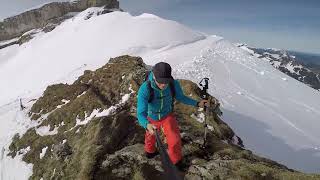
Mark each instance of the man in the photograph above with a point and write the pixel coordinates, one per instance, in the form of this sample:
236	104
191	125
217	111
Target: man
157	113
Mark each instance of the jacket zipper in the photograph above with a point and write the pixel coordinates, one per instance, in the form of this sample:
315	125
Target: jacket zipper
161	106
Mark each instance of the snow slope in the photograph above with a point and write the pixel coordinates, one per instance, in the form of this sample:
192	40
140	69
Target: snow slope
276	118
275	115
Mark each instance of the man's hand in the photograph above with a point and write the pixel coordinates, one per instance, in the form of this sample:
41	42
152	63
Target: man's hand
203	103
151	128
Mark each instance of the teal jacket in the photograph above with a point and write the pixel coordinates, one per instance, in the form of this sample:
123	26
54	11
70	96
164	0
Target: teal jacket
160	106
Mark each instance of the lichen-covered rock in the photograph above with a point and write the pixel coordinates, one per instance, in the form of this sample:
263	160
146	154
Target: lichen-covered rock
61	151
90	131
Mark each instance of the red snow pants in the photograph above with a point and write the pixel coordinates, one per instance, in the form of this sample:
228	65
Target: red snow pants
172	134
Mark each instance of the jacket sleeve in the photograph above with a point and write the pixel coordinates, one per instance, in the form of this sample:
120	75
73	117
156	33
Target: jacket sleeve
142	105
181	97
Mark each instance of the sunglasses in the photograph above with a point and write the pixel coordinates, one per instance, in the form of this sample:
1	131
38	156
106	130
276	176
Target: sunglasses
160	83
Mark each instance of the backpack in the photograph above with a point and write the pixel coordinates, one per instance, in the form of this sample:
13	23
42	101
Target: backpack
151	90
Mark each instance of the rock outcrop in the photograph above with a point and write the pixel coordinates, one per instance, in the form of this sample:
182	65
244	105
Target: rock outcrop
92	133
50	13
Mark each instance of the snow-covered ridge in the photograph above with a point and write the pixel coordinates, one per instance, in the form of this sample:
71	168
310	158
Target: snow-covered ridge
86	41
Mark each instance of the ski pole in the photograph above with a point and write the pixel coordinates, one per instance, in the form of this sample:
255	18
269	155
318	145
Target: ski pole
204	83
169	168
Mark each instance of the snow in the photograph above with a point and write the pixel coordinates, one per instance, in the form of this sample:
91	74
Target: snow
210	128
31	32
54	172
14	121
73	41
8	53
105	112
235	140
247	49
276	64
147	15
275	115
290	67
9	166
82	94
8	41
78	130
64	101
263	116
24	150
274	49
45	131
125	98
43	152
87	119
276	56
199	117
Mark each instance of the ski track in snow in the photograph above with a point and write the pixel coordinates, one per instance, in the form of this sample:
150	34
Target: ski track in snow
308	108
262	102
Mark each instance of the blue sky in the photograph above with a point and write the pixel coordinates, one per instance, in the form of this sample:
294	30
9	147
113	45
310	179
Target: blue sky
284	24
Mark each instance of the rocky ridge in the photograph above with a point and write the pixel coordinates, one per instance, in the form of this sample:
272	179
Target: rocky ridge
48	16
89	130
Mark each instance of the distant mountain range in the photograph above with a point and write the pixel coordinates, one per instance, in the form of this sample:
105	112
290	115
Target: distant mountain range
311	61
305	67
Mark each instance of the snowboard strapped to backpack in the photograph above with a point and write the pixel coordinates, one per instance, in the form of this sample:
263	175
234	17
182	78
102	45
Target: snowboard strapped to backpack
151	90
